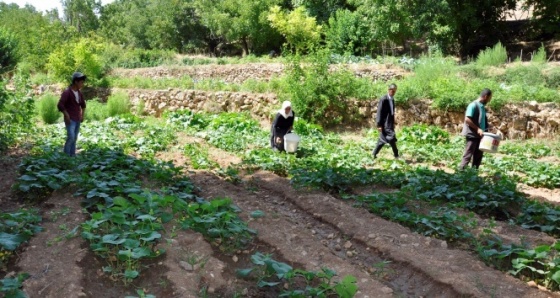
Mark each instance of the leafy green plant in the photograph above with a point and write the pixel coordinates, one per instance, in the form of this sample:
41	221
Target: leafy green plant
15	229
199	156
218	220
118	104
47	106
11	287
300	283
17	109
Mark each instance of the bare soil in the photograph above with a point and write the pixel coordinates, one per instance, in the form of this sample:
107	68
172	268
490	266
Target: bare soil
307	229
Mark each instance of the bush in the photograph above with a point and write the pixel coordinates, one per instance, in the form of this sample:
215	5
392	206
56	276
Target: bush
81	56
552	78
9	56
47	106
530	75
429	69
118	104
96	110
116	56
318	94
492	57
539	56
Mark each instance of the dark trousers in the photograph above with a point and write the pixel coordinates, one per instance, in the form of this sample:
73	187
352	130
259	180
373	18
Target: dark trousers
472	151
381	143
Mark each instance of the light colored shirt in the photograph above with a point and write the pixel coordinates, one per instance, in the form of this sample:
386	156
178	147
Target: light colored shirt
77	96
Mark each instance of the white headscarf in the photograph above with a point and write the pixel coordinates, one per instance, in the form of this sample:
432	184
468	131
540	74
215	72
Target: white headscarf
282	111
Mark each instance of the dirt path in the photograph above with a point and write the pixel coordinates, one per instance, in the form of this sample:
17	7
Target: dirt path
52	256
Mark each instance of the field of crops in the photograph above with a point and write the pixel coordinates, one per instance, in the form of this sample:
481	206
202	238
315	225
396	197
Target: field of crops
197	205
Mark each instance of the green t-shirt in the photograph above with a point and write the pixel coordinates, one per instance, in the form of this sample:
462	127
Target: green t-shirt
471	111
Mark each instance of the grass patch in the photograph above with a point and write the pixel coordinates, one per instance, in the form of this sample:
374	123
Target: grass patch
118	104
96	110
47	108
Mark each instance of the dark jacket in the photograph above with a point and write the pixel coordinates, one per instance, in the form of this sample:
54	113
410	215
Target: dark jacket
280	127
468	131
385	117
68	103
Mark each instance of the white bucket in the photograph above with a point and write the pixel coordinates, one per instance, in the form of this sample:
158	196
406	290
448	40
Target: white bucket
291	142
490	142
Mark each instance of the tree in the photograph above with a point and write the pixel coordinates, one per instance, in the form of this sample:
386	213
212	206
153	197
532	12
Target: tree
546	15
240	21
322	10
300	30
8	51
82	14
451	25
347	33
38	35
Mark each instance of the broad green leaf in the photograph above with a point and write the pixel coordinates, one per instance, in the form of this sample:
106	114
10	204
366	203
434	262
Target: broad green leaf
243	272
11	241
130	274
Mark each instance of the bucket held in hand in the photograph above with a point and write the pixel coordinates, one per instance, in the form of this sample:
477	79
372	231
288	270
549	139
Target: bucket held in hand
291	142
490	142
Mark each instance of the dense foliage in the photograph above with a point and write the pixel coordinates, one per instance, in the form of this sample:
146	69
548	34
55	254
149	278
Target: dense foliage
228	27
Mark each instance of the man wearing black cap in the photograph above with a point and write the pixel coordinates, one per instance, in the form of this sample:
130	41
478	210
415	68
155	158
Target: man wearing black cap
73	106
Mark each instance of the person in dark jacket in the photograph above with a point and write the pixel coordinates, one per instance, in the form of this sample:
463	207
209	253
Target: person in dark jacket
385	122
282	124
476	123
72	105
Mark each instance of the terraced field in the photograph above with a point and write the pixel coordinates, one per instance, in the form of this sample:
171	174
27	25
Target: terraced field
196	205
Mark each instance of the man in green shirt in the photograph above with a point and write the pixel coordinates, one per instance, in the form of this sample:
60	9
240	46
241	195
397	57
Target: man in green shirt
476	123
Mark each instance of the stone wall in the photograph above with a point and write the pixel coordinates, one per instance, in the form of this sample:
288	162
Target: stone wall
520	121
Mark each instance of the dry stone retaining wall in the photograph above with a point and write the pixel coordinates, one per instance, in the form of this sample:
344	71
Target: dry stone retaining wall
519	121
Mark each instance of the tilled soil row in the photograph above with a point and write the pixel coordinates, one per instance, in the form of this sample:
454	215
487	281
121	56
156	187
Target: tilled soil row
300	237
458	272
51	259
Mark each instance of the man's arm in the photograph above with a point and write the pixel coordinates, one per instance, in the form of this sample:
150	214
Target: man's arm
472	125
378	120
62	106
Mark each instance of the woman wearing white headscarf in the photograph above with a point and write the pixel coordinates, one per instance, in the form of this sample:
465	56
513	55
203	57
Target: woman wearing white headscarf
282	124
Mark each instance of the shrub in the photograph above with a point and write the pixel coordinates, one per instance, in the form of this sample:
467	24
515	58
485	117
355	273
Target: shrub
9	56
47	108
80	56
96	110
540	55
552	78
118	104
492	57
530	75
318	94
431	68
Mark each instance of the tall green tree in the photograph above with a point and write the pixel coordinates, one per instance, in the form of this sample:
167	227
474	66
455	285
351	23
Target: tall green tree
37	34
346	33
451	25
322	10
546	15
82	14
243	22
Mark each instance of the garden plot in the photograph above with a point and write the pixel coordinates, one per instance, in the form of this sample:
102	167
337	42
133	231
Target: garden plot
223	215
